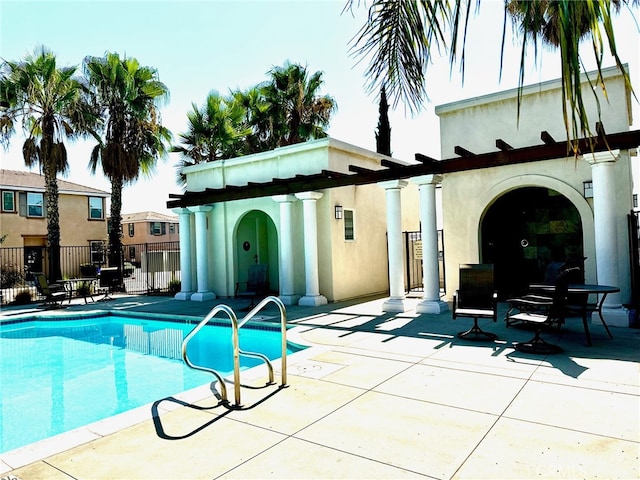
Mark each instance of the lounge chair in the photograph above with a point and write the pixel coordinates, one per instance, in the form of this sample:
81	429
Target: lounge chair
256	285
54	294
476	298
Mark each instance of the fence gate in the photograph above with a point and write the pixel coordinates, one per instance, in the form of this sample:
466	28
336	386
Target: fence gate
413	261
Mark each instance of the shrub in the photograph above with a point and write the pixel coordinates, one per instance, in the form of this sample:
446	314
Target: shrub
84	289
174	286
11	276
22	297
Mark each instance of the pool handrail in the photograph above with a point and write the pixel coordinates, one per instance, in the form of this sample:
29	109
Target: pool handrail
236	345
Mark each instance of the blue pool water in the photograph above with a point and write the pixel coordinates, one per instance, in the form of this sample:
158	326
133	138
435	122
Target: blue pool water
57	375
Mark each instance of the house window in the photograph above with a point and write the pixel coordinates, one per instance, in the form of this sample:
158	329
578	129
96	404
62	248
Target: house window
96	211
35	204
8	202
349	225
97	252
131	229
172	228
157	228
635	200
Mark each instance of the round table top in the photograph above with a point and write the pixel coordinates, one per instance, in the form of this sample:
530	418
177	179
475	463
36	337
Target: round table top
579	288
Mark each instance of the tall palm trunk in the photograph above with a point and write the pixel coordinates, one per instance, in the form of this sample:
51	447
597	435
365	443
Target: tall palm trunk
49	164
115	232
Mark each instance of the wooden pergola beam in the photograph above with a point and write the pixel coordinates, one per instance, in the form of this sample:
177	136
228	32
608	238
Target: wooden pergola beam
363	176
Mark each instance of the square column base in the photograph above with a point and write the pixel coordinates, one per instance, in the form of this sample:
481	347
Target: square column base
289	299
432	306
312	301
202	296
615	317
183	295
394	305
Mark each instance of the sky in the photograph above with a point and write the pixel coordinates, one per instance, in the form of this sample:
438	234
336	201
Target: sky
222	45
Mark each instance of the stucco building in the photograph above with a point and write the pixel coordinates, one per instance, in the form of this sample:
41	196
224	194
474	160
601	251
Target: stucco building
23	214
512	194
522	216
320	246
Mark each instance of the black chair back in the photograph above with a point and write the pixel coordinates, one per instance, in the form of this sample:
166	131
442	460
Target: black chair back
476	286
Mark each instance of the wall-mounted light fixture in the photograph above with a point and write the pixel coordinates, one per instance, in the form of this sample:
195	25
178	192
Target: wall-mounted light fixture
588	189
338	212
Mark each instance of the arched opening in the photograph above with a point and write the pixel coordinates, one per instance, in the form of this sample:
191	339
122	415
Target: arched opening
256	241
524	231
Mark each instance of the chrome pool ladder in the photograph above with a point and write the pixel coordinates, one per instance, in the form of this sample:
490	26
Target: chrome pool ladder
236	326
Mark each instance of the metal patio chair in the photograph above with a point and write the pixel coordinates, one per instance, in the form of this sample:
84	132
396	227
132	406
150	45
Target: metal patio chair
476	298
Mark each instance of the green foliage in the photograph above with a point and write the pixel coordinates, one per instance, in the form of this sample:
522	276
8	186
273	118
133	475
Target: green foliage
399	38
11	276
129	96
52	105
383	133
23	297
284	110
174	286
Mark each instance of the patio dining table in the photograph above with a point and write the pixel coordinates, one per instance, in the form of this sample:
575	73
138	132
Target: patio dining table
71	285
586	289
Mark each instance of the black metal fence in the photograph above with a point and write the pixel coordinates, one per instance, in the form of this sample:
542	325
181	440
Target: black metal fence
413	261
147	268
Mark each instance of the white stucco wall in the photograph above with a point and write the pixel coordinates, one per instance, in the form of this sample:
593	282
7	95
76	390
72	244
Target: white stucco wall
346	269
475	124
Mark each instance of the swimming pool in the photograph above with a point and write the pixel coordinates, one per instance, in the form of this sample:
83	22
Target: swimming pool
59	373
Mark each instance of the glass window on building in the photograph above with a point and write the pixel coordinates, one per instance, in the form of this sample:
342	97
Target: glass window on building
157	228
349	225
131	229
96	210
8	201
35	204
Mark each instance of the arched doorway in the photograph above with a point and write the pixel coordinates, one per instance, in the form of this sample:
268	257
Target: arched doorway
256	241
524	231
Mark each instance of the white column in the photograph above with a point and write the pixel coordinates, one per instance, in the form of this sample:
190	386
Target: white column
186	289
286	268
396	300
430	302
606	233
202	255
312	297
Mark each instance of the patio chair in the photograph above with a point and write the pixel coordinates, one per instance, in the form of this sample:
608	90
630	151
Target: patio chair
547	314
54	294
476	298
109	279
255	286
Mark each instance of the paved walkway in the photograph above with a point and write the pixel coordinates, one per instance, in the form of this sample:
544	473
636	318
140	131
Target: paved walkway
379	396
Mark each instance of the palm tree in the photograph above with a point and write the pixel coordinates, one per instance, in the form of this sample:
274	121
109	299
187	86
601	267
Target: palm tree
134	138
216	131
258	119
53	105
298	112
400	36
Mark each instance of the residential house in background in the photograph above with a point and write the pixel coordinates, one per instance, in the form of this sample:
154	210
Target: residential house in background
143	228
23	218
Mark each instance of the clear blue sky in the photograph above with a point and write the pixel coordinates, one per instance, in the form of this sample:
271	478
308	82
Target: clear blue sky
198	46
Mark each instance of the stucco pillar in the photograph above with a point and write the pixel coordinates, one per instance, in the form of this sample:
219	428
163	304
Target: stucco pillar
287	288
606	233
430	302
202	255
312	297
186	289
396	300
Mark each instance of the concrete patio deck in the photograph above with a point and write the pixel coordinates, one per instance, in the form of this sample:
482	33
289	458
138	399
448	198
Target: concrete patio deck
378	395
